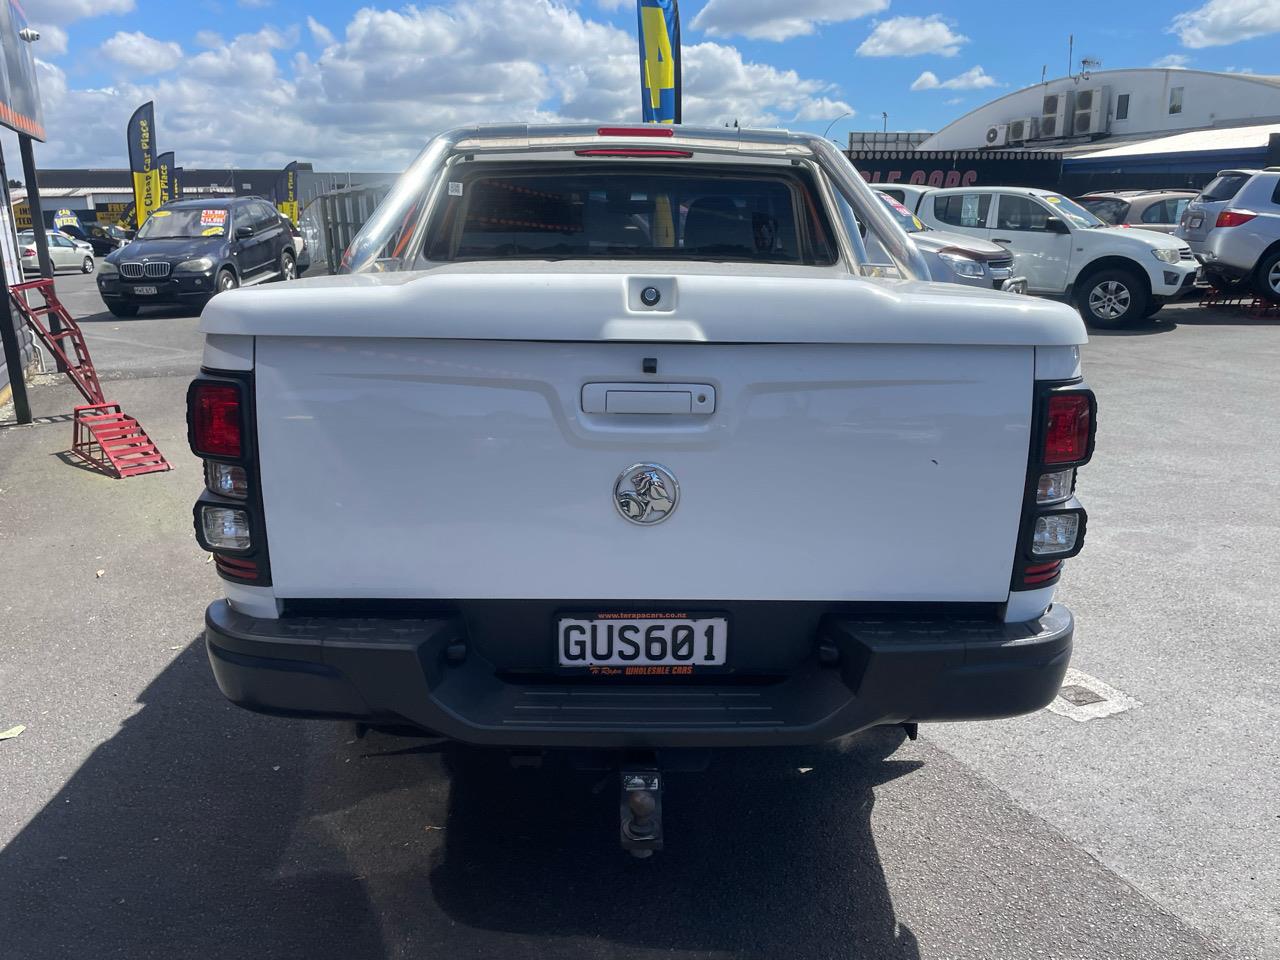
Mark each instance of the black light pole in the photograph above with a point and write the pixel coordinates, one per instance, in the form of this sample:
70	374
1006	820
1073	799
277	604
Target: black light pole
9	333
37	225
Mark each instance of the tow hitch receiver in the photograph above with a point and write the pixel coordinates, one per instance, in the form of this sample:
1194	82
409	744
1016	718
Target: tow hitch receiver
641	812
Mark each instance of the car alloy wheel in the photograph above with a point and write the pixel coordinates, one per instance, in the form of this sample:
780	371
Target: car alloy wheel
1273	278
1109	300
87	265
226	281
288	269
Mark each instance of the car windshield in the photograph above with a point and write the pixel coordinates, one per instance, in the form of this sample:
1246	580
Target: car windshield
591	211
1071	211
906	219
186	222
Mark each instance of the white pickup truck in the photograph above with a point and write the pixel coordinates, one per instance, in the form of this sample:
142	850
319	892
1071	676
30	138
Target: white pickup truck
613	438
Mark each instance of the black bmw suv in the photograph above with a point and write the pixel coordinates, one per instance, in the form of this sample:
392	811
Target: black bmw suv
189	250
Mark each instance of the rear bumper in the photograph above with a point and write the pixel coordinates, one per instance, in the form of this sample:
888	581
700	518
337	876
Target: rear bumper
421	672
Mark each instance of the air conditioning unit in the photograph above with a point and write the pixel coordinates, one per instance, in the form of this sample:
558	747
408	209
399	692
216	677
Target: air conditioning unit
997	135
1053	116
1090	114
1027	128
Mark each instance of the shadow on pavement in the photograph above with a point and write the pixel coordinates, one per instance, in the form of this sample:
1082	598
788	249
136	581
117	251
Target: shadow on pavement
199	830
147	313
1145	329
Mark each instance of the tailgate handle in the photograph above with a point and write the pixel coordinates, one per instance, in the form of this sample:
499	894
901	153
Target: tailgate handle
669	399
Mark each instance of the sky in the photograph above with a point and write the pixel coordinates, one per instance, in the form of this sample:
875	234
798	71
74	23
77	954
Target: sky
348	86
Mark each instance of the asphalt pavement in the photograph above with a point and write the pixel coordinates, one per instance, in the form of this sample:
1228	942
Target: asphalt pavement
142	816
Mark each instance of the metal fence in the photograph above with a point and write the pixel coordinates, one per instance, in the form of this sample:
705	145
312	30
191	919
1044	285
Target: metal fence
330	221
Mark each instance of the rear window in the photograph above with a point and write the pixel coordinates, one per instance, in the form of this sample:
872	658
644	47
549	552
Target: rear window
1108	210
590	211
1225	186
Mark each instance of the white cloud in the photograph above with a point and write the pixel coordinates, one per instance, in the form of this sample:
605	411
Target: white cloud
392	78
1220	22
1172	61
1247	70
66	11
321	34
772	20
614	4
140	53
53	40
953	101
975	78
912	36
254	4
825	108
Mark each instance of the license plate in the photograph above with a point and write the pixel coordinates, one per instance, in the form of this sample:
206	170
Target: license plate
1195	222
638	644
145	291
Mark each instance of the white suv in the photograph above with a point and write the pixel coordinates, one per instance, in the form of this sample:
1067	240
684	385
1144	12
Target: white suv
1115	275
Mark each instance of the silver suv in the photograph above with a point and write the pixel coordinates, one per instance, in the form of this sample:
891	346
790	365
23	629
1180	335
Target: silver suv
1233	227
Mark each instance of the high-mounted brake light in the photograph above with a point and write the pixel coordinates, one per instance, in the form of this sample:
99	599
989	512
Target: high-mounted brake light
633	152
1233	218
216	420
635	132
1069	428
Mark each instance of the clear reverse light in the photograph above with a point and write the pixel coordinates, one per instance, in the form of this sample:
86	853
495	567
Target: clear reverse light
228	529
1055	534
226	480
1054	487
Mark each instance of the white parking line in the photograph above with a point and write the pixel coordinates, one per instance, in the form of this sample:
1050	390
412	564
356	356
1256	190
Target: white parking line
1083	697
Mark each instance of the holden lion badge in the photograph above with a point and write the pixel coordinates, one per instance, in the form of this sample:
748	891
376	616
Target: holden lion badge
646	493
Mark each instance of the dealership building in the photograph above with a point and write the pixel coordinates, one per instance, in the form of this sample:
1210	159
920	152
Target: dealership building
1107	129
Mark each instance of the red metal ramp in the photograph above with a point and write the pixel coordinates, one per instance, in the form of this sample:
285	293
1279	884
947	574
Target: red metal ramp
103	435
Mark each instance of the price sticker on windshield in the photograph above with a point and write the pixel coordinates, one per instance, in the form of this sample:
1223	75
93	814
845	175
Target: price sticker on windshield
213	218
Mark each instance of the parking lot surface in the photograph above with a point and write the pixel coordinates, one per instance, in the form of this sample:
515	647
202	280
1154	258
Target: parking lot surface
142	816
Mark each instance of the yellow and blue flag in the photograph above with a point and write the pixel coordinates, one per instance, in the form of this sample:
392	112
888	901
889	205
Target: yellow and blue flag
659	60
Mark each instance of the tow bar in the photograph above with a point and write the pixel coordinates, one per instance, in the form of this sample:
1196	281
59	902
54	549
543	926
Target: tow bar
640	809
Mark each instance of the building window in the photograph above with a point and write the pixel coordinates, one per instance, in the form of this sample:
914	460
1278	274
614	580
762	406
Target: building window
1122	107
1175	100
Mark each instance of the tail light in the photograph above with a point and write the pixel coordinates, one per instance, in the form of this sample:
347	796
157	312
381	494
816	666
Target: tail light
650	131
1053	521
633	152
228	515
29	252
1233	218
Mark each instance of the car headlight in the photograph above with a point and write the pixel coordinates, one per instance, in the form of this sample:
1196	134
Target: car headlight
106	267
198	265
963	266
1171	255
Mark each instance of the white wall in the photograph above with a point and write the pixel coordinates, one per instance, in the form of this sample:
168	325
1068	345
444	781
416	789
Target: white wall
1208	99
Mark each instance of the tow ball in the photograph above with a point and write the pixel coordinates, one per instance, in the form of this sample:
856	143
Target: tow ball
640	808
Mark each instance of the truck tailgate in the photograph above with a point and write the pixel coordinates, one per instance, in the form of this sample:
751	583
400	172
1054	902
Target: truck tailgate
458	469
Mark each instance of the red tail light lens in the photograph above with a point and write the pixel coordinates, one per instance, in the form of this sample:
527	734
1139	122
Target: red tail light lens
1069	428
1233	218
216	421
1039	573
634	152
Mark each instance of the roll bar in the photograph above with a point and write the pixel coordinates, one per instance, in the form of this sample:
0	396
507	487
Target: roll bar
404	208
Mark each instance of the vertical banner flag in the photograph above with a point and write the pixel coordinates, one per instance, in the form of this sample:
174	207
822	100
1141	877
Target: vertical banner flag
164	171
175	182
287	192
659	60
142	161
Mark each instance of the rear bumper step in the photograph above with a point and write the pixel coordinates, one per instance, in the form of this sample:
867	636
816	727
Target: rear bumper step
402	671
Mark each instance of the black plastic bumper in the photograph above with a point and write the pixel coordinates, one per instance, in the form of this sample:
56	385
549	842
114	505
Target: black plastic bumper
174	290
413	671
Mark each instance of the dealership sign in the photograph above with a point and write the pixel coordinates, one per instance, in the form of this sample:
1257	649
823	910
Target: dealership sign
19	95
959	168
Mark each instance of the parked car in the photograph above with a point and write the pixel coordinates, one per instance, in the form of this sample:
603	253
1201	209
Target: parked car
636	450
956	258
103	238
190	250
1234	228
1159	210
302	253
65	253
1115	276
909	195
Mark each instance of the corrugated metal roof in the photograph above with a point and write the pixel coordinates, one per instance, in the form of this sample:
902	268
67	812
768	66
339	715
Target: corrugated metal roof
1193	141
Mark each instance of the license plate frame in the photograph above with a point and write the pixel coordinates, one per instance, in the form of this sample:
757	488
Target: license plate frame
146	290
664	667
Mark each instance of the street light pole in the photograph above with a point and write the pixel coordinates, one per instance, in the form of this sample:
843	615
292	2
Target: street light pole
884	115
847	113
